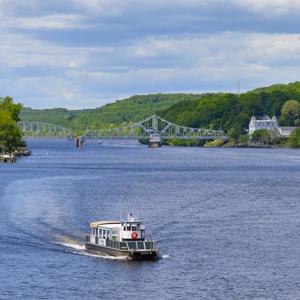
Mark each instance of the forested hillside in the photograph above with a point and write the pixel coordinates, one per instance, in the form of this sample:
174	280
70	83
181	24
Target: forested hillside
224	110
232	112
119	113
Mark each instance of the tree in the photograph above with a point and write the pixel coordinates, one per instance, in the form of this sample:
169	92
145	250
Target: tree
262	137
10	134
294	138
243	139
290	112
7	104
234	133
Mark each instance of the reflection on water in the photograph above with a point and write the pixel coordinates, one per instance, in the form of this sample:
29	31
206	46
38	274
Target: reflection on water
226	221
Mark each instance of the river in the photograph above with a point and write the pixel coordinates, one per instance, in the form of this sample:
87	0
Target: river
226	221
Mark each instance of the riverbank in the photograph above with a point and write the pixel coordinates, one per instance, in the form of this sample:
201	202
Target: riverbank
12	157
222	144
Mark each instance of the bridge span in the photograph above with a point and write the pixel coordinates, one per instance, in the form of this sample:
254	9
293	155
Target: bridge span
153	129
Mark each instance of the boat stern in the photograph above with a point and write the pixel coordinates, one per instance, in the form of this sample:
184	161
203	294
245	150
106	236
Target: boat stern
143	255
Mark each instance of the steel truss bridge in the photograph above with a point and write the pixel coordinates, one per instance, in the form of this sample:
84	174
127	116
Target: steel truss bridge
40	129
140	130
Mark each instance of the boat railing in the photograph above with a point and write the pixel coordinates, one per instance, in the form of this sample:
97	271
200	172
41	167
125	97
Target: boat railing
126	245
113	244
132	245
140	245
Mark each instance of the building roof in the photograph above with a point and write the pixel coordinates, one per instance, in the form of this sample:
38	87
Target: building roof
95	224
288	127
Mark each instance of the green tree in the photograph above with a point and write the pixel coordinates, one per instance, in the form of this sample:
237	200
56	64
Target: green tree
294	139
14	109
234	133
290	112
261	137
243	139
10	134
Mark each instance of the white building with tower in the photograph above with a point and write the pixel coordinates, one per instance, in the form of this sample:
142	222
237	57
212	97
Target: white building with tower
264	123
270	124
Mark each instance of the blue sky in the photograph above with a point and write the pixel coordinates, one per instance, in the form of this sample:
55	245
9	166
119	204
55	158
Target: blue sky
85	53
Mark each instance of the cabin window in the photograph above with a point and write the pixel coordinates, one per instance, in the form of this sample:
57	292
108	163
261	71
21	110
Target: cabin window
133	228
140	245
124	228
123	245
149	245
132	245
100	232
128	228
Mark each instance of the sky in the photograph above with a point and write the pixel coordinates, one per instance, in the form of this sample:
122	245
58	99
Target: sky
85	53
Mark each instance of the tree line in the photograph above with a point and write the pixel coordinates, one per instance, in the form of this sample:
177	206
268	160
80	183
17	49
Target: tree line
226	111
10	134
232	112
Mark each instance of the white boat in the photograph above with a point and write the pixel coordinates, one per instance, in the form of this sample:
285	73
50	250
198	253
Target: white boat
121	238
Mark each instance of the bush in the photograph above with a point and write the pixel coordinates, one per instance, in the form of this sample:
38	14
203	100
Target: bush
190	143
294	139
261	137
215	143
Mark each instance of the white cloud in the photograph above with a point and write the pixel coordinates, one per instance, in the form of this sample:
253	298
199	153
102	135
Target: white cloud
47	59
64	76
45	22
272	8
99	7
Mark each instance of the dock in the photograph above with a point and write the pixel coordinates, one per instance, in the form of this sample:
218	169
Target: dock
8	158
12	158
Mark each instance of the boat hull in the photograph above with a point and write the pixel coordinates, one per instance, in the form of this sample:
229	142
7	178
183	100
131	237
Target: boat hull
130	255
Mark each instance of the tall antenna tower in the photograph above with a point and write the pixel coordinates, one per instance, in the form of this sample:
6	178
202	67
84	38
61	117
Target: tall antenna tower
238	88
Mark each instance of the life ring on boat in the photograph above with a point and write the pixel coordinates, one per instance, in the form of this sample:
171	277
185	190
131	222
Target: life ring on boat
134	235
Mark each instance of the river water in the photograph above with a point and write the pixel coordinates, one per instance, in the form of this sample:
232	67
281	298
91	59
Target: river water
226	221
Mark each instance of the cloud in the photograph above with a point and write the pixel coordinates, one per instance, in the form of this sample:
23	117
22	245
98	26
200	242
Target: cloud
83	53
272	8
51	22
157	64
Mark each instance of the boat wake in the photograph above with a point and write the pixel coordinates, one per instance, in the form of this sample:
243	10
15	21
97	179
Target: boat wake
78	248
74	245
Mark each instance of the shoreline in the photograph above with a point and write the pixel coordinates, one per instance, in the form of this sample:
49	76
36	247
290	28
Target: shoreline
13	157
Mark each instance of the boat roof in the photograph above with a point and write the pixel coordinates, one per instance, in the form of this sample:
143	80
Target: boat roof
97	223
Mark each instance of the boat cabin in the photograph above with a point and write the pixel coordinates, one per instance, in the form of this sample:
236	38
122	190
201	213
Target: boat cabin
126	238
128	234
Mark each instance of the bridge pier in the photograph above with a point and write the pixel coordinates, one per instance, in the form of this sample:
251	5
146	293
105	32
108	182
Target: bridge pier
79	141
154	140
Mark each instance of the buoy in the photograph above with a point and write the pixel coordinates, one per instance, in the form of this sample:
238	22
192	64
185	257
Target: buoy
134	235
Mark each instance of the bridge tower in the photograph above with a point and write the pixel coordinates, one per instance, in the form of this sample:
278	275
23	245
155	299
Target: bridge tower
154	140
